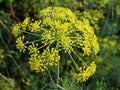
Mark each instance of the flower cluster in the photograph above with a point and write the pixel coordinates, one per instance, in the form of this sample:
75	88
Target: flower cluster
40	62
67	30
19	28
86	72
20	44
26	26
58	30
92	15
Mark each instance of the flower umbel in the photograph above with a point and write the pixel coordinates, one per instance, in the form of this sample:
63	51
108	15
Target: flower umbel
67	30
58	31
85	73
20	45
40	62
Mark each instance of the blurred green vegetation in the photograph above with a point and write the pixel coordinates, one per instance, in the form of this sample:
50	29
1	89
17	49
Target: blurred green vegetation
104	17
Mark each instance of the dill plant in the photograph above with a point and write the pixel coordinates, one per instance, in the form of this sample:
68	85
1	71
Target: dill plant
57	31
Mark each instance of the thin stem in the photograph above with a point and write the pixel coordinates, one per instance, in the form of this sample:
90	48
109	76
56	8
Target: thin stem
6	79
58	67
74	61
50	43
33	33
6	68
80	58
43	29
45	45
5	27
33	41
60	87
12	56
58	71
30	33
43	88
71	84
75	54
51	79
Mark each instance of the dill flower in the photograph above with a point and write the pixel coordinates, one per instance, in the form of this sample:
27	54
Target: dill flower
51	57
34	26
85	73
40	62
20	45
67	30
58	30
60	25
33	48
19	28
35	58
25	23
16	30
92	15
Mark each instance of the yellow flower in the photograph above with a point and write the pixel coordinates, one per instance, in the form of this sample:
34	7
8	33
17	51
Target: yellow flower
33	48
58	30
60	25
67	30
16	30
85	73
25	23
51	57
20	45
92	15
40	62
34	26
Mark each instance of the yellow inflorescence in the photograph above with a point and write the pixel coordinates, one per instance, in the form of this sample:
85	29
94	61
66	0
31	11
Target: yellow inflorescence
51	57
66	29
19	28
16	30
57	30
93	16
34	26
61	25
85	73
25	23
20	45
40	62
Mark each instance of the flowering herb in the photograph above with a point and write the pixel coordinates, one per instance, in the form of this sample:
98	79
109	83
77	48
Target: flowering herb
58	30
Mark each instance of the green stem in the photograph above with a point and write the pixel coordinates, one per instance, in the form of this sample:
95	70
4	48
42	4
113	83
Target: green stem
51	79
45	45
50	42
12	57
75	54
58	71
33	41
80	58
74	61
61	88
30	33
